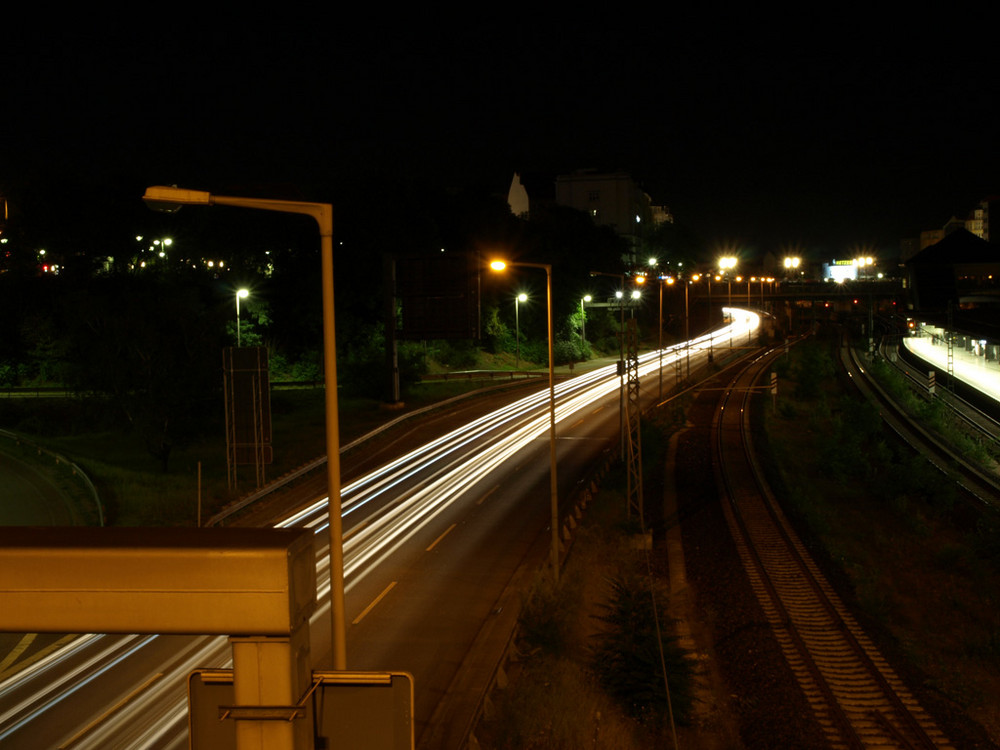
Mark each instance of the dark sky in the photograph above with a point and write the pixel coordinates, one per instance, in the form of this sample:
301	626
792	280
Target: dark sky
759	134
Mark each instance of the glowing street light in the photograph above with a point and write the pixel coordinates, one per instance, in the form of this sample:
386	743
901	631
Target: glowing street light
659	326
171	199
583	322
500	265
620	296
862	263
240	294
522	297
727	263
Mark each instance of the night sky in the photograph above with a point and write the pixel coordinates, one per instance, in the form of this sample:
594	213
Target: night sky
773	133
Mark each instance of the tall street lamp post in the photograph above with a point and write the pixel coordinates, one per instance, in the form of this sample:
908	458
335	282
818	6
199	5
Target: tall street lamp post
240	293
517	328
711	332
663	280
583	323
499	265
620	295
170	199
687	331
727	264
792	266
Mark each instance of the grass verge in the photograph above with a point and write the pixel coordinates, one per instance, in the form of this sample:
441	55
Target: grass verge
925	574
588	674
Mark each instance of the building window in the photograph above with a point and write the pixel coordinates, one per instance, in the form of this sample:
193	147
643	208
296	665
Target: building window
594	195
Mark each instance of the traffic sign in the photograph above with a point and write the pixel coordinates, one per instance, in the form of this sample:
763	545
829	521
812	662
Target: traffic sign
373	710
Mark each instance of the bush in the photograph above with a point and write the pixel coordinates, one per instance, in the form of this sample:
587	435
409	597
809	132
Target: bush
547	615
459	354
565	352
630	656
812	367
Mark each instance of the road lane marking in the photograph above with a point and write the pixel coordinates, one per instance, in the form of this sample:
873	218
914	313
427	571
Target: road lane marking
580	422
482	500
22	645
446	532
72	740
371	606
37	656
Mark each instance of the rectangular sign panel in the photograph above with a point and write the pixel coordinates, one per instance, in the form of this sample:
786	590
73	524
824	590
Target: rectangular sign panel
438	297
370	710
248	404
219	581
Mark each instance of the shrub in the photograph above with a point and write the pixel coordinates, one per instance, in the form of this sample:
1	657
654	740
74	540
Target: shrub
547	615
629	657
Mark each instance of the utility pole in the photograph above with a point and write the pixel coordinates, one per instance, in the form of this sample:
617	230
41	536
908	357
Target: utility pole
633	411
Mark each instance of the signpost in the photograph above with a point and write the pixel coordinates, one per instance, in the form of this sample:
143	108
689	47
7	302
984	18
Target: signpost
258	586
371	710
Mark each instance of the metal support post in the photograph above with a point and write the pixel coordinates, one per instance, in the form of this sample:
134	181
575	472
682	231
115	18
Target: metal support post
633	412
271	675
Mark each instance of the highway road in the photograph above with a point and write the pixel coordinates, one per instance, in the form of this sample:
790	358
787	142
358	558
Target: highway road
432	539
30	498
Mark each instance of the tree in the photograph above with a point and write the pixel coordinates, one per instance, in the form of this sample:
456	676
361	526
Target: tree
629	657
152	346
673	245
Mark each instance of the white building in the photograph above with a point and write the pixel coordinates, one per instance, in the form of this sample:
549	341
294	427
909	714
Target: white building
611	200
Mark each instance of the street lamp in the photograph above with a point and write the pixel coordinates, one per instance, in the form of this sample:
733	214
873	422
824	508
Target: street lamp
164	244
583	323
659	327
687	330
862	263
711	332
620	296
171	199
792	265
726	265
240	293
500	265
522	297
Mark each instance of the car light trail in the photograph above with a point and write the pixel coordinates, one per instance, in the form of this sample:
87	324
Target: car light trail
450	467
67	685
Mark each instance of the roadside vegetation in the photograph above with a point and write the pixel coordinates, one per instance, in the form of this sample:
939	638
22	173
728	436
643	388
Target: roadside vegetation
923	568
137	489
935	416
592	649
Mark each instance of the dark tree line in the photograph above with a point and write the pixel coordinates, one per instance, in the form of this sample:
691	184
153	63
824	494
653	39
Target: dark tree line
148	340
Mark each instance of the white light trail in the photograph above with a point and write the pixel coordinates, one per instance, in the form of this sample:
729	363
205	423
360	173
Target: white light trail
453	464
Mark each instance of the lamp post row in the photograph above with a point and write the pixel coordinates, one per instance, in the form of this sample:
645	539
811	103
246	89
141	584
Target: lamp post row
171	198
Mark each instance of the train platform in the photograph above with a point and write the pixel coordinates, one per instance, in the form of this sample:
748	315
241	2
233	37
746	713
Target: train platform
974	363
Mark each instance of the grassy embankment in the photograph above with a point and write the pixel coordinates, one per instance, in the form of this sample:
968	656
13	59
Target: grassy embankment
589	673
923	570
924	576
132	484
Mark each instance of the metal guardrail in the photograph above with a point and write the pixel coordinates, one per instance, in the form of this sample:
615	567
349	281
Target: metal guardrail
58	460
237	505
985	426
980	483
485	375
36	391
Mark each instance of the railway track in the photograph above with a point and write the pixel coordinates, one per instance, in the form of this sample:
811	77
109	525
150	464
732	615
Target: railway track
854	693
979	484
